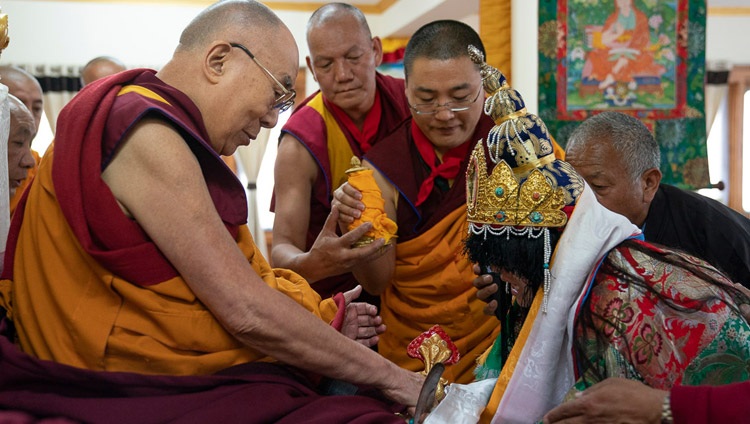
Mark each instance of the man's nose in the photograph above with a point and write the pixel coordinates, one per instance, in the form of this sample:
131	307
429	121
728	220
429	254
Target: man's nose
270	119
342	70
27	160
444	112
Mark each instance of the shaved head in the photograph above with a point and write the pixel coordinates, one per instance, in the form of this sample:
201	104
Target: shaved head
21	114
14	74
235	16
234	61
100	67
334	12
26	88
441	40
344	58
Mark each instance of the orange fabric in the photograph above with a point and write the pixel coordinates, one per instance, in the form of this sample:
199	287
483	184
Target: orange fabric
382	226
495	32
231	163
26	182
432	284
69	309
602	60
339	150
558	151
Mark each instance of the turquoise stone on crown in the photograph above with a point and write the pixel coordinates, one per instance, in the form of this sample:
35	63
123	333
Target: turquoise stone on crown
536	217
499	192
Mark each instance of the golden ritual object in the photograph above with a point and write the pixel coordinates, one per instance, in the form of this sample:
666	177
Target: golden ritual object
500	199
4	38
383	227
432	347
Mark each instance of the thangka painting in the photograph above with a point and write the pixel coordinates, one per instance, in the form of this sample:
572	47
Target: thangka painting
645	58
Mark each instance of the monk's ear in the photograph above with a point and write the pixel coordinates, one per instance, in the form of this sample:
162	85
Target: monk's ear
377	50
310	67
216	60
650	180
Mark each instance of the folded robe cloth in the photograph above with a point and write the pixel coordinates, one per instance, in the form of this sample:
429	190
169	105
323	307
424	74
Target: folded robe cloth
38	391
382	226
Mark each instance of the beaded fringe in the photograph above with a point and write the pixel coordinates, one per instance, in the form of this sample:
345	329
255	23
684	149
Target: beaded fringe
530	232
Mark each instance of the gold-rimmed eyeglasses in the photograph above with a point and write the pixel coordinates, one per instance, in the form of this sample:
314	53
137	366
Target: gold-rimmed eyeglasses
283	101
454	106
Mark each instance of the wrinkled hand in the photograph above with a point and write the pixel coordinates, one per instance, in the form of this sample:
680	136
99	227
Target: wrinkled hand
614	400
335	255
485	290
348	200
362	324
404	387
361	320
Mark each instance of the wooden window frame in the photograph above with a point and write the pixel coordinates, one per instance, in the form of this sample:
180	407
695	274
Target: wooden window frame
739	84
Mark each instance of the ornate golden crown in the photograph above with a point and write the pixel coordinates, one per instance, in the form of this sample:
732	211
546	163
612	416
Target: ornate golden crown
499	199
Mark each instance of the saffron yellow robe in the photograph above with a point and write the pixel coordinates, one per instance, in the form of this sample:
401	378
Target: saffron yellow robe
68	307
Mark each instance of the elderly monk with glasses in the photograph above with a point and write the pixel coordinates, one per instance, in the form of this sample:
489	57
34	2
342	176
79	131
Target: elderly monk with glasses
136	291
284	97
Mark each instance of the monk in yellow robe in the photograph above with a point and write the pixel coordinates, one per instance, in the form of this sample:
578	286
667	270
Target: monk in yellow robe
419	168
355	108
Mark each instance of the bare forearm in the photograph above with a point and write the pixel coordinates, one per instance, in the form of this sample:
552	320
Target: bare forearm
289	256
314	265
297	338
603	403
376	275
329	255
221	276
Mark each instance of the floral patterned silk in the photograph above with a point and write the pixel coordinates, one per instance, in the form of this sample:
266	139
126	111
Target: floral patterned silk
694	341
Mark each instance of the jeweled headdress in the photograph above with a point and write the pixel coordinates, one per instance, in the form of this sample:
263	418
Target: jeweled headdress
527	191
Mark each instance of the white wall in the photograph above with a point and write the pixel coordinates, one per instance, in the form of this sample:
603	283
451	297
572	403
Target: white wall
524	62
71	33
142	34
726	38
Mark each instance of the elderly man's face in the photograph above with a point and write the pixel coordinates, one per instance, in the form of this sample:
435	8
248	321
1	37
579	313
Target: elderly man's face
603	169
445	84
29	92
20	160
343	60
251	89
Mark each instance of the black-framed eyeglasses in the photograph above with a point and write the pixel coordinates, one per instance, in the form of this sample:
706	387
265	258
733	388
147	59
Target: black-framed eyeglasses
455	106
284	101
